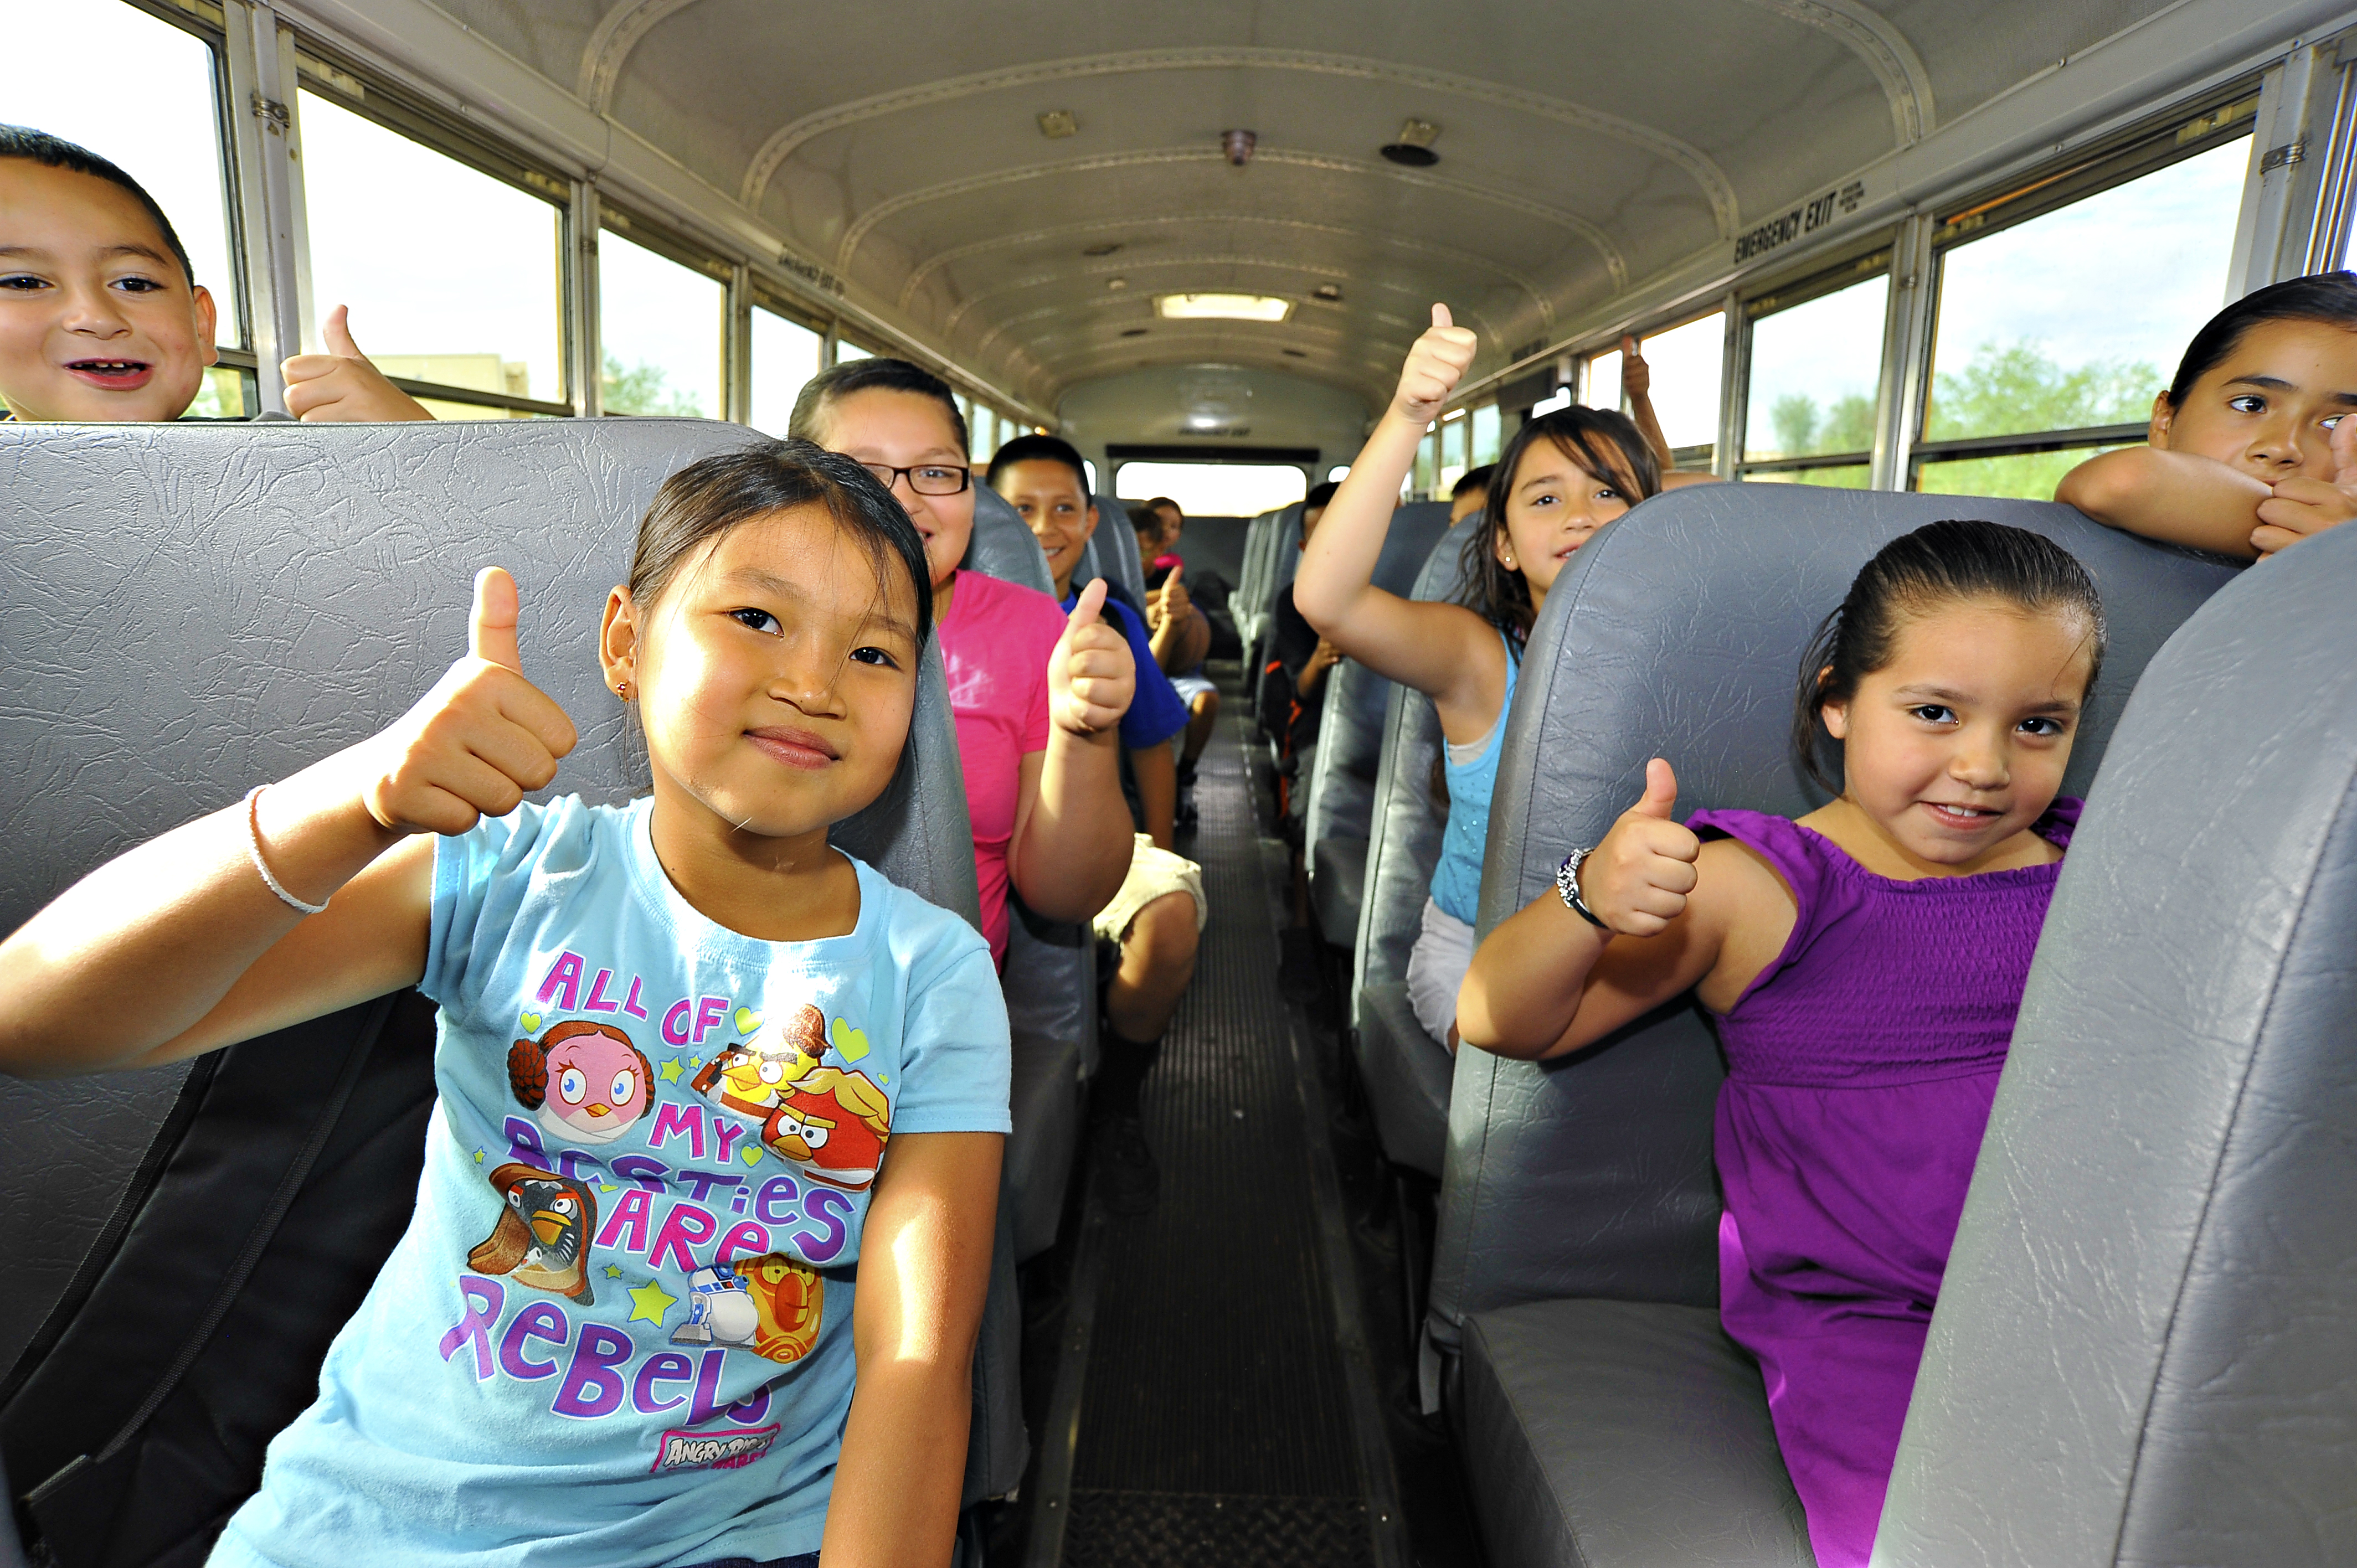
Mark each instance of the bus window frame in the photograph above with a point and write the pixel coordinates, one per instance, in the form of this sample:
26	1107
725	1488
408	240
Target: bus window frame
1872	258
2226	114
653	234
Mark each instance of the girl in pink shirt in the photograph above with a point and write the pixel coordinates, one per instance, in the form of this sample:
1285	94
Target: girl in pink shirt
1037	696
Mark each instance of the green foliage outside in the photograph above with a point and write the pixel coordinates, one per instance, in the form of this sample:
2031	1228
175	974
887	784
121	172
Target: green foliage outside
639	390
1801	428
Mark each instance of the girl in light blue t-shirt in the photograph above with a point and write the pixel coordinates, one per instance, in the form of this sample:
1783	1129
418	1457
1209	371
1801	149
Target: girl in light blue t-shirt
700	1248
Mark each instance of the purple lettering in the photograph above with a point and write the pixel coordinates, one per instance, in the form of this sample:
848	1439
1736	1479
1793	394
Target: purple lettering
628	1222
701	1183
709	1012
592	1388
822	1208
523	1143
750	1409
662	1367
540	1321
578	1165
708	1388
631	1002
484	1299
684	1225
678	1122
598	1003
744	1236
564	977
675	1024
776	1193
647	1173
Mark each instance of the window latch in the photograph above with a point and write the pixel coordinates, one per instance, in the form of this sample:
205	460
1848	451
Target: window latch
2284	157
273	115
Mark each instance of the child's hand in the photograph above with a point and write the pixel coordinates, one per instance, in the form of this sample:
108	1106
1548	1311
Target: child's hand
1637	878
341	386
1169	600
1636	376
479	741
1091	676
1435	365
2302	506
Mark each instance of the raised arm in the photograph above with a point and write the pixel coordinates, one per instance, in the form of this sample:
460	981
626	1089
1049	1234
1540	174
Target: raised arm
1637	380
1442	650
1547	982
924	1269
186	924
1183	637
1072	836
343	385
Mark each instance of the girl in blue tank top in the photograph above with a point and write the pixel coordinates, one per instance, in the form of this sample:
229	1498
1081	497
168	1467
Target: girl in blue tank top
1563	476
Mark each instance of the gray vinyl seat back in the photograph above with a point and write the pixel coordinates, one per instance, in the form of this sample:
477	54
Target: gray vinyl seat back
1280	556
1002	546
197	607
1677	632
1114	547
1350	732
2145	1349
1249	574
1405	823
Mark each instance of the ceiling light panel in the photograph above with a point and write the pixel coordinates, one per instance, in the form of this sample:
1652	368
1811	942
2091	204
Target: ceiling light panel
1222	307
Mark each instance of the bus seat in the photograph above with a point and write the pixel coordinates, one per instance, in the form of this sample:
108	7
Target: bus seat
1119	543
1405	1071
1675	632
188	1239
1280	554
1350	741
1050	974
2164	1367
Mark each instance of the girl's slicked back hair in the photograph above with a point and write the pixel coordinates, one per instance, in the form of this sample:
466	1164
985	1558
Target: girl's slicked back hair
713	495
1604	441
2327	297
808	421
1939	564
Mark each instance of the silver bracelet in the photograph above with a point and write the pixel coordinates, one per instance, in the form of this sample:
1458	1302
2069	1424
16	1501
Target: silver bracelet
1566	886
253	850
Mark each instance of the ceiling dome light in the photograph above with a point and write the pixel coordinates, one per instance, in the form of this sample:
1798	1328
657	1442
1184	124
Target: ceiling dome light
1414	148
1222	307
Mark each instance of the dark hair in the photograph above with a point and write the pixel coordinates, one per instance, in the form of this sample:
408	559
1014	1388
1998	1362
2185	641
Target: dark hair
1158	502
713	495
56	152
831	386
1603	441
1470	480
1039	449
1320	494
2328	298
1938	564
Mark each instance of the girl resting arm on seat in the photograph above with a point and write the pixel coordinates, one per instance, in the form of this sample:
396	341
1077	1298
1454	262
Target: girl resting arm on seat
1563	476
1864	964
2248	451
664	1298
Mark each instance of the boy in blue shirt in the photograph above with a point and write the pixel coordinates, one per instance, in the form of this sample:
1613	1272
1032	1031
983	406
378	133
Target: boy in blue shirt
1158	916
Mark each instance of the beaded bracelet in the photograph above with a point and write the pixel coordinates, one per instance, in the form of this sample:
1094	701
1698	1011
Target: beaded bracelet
253	850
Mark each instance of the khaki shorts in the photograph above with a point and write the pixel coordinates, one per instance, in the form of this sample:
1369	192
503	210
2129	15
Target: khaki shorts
1153	873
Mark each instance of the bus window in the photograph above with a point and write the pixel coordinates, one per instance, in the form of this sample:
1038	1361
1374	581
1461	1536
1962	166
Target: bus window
453	277
1485	433
660	323
2074	319
845	350
1603	383
155	119
1213	490
785	355
1686	362
1815	369
1453	462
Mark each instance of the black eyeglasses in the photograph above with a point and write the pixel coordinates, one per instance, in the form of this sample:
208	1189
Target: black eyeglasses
925	478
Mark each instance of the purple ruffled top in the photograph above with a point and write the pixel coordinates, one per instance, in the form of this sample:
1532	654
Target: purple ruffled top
1860	1068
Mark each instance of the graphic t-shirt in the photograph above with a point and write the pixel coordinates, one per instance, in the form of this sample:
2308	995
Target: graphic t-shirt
996	642
617	1330
1155	712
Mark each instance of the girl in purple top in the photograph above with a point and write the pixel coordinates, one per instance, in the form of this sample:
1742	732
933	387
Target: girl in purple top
1864	964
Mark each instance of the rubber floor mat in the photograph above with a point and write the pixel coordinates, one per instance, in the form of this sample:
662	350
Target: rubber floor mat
1213	1418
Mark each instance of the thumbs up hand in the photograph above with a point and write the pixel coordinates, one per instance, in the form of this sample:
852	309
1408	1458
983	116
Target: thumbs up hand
1637	878
1636	376
1435	364
476	744
1091	675
2304	504
341	386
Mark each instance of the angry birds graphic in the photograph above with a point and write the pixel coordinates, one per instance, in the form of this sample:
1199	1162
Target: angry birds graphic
749	1080
769	1305
834	1124
585	1082
541	1238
